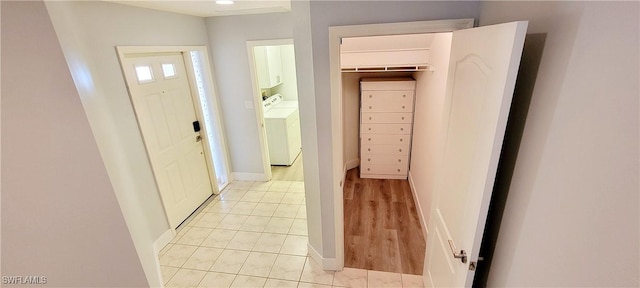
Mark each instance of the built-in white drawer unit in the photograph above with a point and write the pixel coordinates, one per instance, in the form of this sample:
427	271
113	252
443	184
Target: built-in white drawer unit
386	121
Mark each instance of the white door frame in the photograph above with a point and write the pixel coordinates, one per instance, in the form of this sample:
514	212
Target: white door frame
257	100
193	85
336	33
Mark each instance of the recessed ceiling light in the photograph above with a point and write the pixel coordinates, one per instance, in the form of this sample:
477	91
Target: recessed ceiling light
224	2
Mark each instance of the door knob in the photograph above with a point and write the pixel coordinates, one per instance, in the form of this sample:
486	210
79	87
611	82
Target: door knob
462	255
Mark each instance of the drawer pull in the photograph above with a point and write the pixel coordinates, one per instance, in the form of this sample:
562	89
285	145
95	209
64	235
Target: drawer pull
369	159
369	107
369	128
402	106
404	95
368	169
369	149
369	139
402	118
400	139
401	129
399	150
398	170
370	96
369	118
399	160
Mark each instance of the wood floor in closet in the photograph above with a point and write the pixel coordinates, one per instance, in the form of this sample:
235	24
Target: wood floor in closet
382	229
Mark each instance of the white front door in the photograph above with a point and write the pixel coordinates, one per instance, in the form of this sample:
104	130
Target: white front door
482	72
161	97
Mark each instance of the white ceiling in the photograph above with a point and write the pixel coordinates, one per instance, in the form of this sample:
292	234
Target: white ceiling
207	8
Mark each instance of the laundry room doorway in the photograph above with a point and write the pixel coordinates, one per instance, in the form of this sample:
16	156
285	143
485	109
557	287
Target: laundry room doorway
275	98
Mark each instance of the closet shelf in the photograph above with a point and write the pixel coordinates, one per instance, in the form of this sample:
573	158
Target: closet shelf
410	68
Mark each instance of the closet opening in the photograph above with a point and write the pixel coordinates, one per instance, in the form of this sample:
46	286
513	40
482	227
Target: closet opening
393	90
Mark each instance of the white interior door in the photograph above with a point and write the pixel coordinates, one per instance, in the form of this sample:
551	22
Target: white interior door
161	96
483	67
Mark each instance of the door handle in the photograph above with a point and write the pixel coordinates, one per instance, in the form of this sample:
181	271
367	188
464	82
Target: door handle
462	255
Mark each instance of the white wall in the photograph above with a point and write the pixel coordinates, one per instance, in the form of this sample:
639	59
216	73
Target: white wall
289	88
324	14
428	133
60	217
571	215
351	117
88	32
301	15
228	37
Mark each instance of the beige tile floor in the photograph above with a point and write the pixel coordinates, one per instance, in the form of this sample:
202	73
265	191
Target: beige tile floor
254	234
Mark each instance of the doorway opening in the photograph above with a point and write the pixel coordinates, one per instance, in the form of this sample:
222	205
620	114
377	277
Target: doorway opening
388	82
343	150
172	94
273	73
478	82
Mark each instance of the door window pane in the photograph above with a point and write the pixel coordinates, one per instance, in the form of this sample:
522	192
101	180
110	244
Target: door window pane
144	74
169	70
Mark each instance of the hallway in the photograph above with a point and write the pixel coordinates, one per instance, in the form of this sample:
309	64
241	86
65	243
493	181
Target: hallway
255	235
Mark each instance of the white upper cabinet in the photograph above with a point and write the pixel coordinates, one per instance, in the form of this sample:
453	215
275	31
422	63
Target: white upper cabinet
269	66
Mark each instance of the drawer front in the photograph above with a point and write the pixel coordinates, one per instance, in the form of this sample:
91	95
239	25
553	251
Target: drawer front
385	129
399	169
390	160
387	101
378	84
384	139
395	149
397	118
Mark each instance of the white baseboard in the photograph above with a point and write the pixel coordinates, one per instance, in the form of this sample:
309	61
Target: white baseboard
162	241
425	231
330	264
241	176
353	163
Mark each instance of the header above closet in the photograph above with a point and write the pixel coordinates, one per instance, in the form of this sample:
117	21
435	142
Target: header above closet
386	53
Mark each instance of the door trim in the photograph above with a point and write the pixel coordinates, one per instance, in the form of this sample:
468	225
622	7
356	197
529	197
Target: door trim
336	33
123	51
257	103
